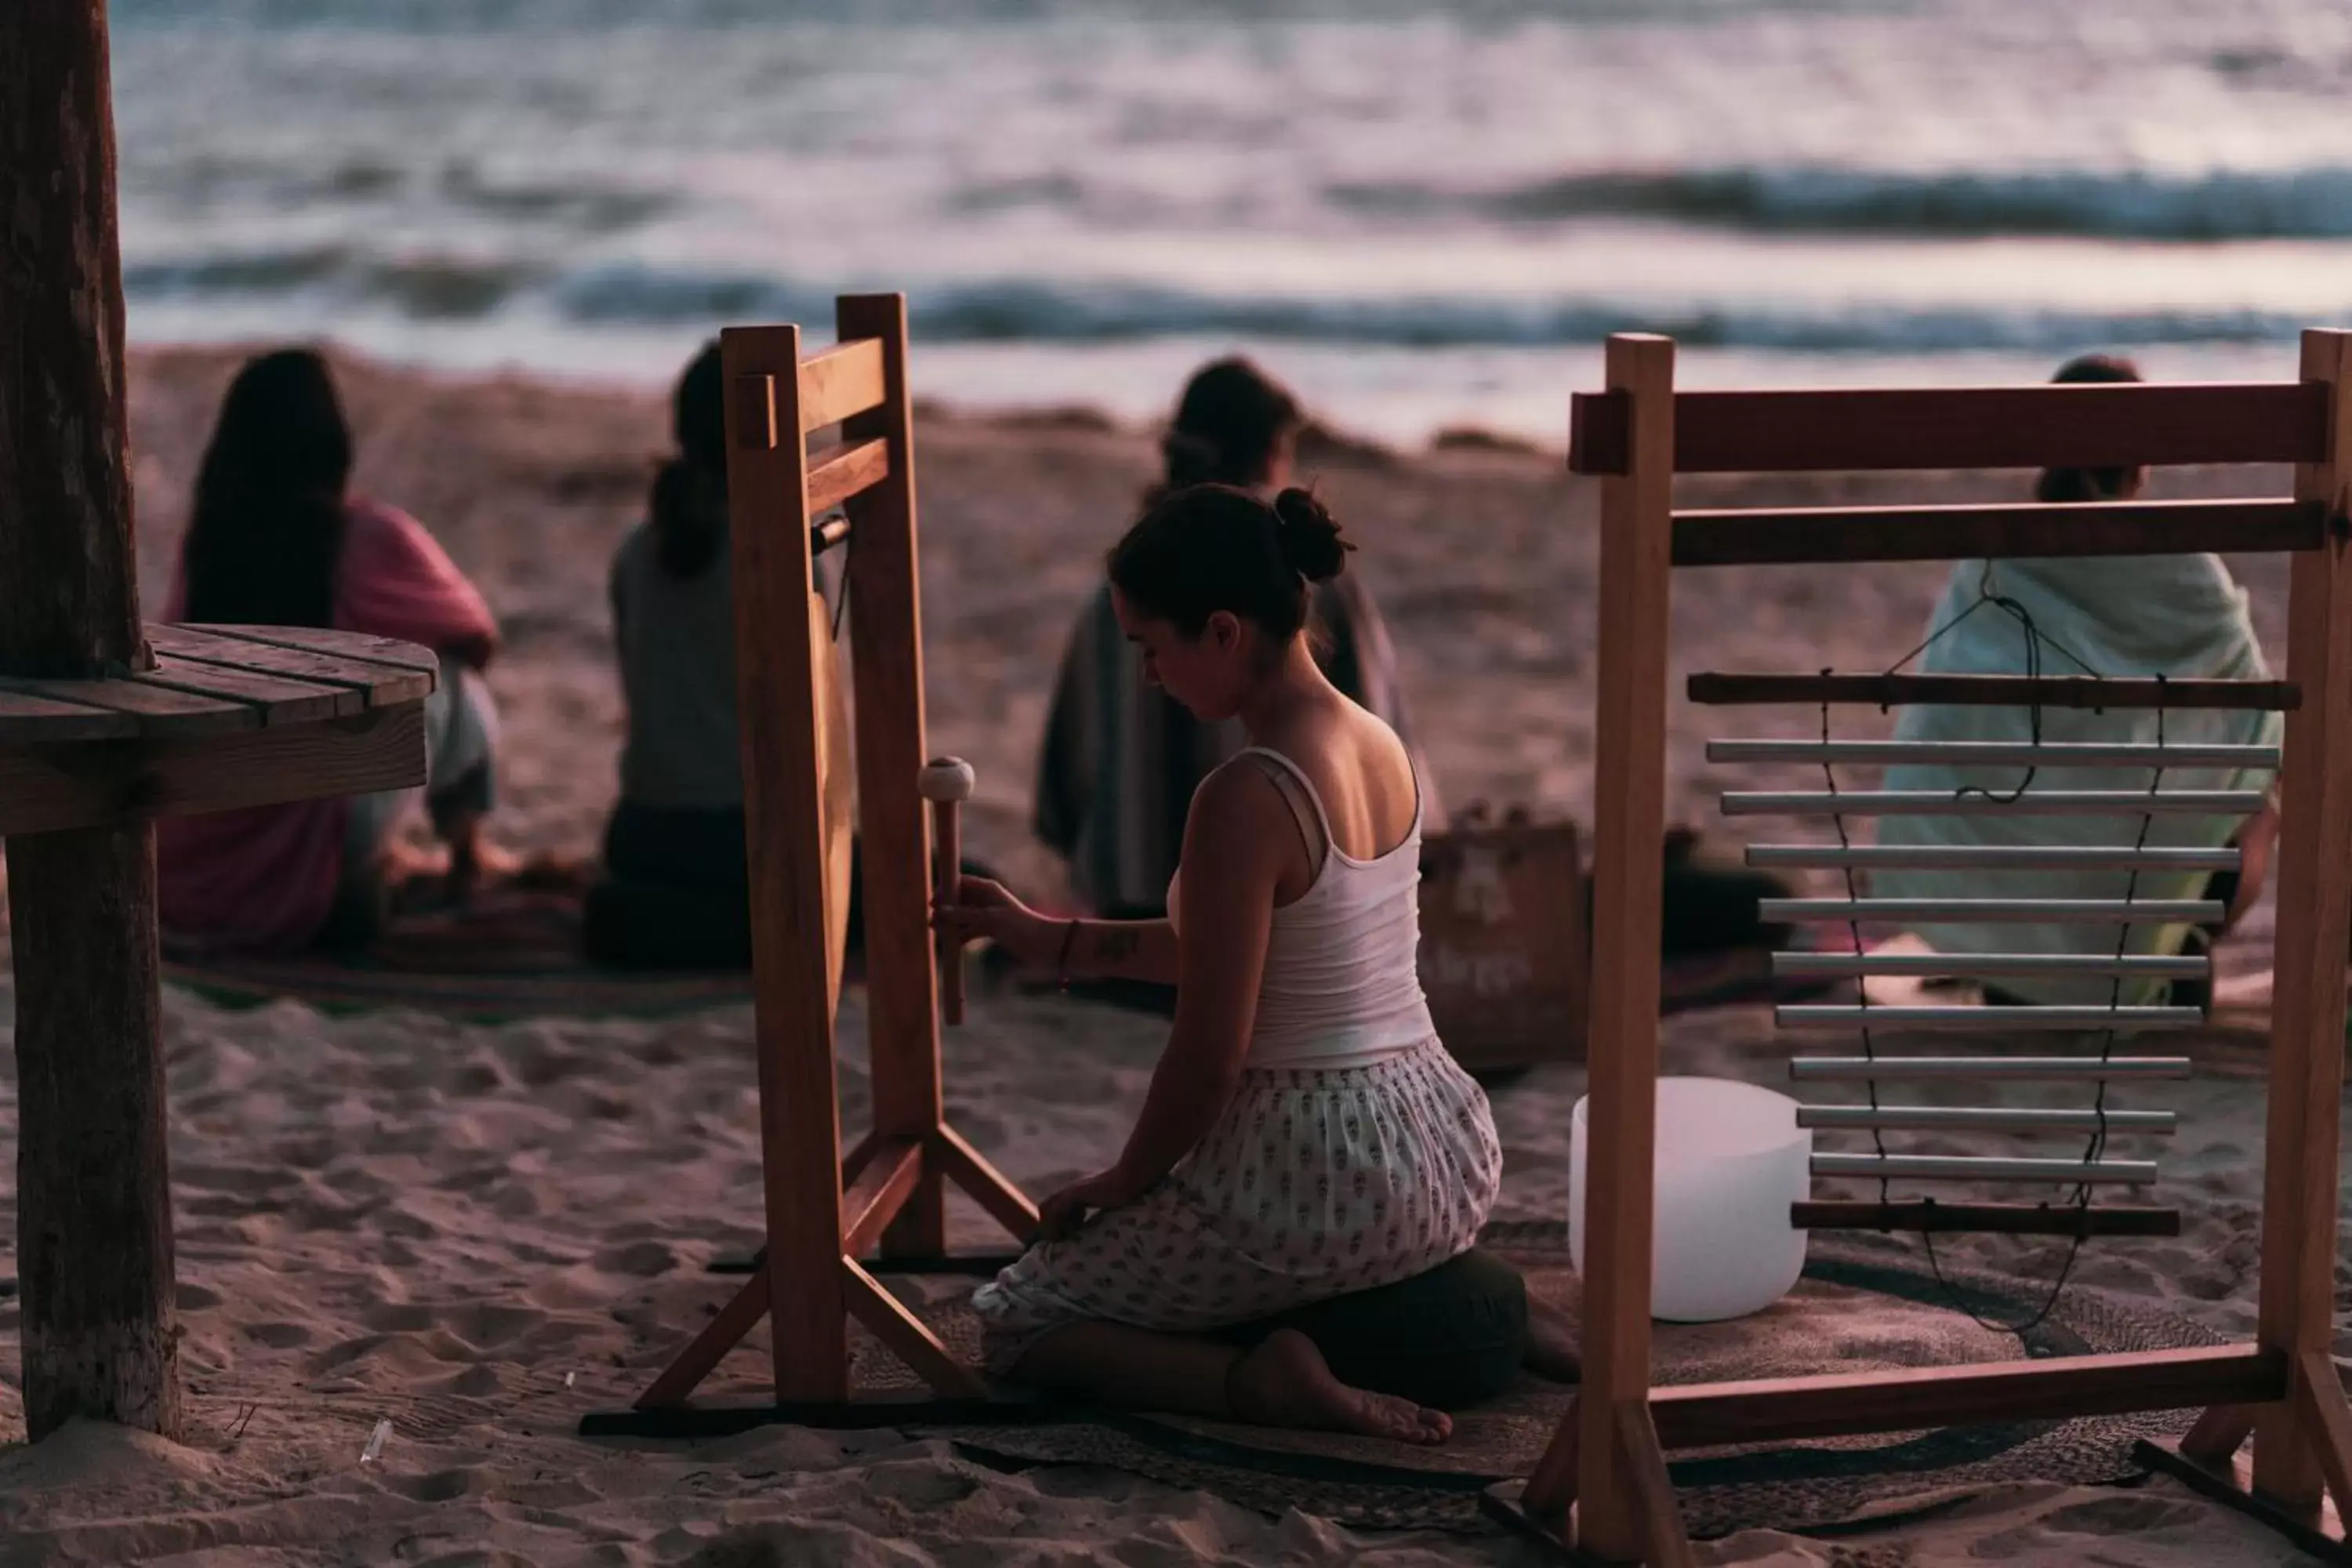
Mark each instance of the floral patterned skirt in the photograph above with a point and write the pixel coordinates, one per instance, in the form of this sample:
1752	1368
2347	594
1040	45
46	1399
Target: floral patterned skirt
1313	1184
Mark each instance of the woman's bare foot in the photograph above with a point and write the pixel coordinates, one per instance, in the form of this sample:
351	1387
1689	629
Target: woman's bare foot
1286	1382
1552	1351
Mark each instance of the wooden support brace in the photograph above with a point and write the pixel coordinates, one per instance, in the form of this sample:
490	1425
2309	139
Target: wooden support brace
987	1186
722	1333
906	1336
2327	1419
1551	1485
879	1191
2218	1435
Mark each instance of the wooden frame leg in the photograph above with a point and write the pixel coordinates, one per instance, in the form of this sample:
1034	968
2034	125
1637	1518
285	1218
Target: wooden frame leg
886	648
2296	1304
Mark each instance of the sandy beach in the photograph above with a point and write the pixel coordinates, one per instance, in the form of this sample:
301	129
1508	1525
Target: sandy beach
479	1233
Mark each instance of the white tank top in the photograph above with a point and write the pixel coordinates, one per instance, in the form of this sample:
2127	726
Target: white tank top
1342	982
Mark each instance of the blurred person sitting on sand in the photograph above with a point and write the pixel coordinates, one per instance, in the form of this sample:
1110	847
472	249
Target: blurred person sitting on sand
676	839
1121	760
676	888
2177	616
1307	1139
277	539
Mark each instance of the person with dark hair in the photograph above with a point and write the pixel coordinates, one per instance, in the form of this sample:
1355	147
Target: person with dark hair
1121	760
277	539
2177	616
677	891
1306	1140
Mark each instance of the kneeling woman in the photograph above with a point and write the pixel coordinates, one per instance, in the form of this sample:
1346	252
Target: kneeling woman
1306	1135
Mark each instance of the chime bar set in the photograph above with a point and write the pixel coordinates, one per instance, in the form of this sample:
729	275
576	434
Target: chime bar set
827	1211
1602	1486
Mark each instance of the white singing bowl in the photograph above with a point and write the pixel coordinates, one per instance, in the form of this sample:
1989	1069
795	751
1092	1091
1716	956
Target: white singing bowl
1730	1161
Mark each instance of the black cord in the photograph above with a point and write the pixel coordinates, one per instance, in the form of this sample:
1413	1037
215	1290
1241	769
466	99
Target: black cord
2036	639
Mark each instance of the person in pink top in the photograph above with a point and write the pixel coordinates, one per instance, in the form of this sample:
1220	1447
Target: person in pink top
277	539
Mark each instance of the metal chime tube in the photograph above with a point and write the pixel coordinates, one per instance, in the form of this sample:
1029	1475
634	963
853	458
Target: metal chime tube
1987	1020
2034	802
1968	911
1898	1069
1997	754
1988	857
1982	1168
1982	1119
2168	966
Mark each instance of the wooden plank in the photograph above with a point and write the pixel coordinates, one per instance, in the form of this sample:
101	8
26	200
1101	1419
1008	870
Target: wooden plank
1629	791
888	1320
342	645
278	699
1667	1543
870	1202
1717	688
1801	535
101	782
154	711
776	696
844	472
1849	1404
847	379
378	685
987	1186
2296	1293
28	718
886	626
2093	426
2002	1219
708	1349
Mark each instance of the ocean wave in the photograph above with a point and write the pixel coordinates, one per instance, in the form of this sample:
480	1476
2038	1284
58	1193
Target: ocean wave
2286	204
1006	310
1016	310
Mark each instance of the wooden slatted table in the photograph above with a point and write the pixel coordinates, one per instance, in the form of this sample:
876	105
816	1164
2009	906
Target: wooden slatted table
228	717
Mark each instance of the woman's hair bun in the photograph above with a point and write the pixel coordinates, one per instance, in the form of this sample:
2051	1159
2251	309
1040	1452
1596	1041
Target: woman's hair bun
1310	537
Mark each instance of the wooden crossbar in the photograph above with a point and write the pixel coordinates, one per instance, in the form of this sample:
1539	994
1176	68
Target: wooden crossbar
2099	427
841	382
1801	535
1717	688
846	471
1844	1405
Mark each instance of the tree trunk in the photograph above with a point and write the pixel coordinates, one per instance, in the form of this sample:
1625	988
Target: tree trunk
94	1232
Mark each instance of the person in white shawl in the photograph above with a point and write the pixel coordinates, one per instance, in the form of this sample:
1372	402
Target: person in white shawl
2177	616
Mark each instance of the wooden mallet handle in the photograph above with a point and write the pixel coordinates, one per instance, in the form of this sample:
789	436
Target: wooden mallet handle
947	783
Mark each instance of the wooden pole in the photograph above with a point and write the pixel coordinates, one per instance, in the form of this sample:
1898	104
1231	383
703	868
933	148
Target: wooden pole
885	650
784	831
1629	800
93	1191
2296	1308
